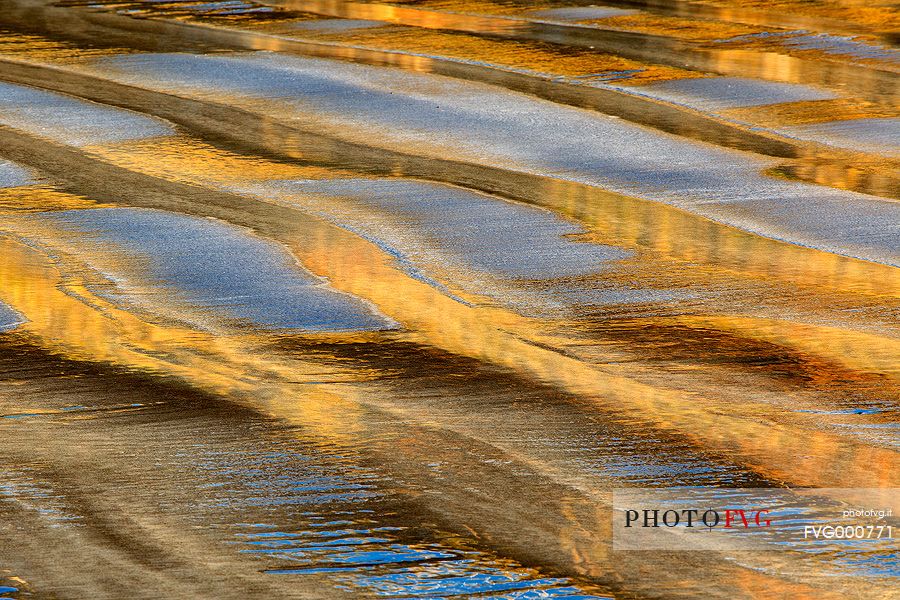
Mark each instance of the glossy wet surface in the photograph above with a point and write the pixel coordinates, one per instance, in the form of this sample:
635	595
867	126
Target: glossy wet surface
668	40
471	241
212	266
881	136
838	45
579	13
9	319
339	299
72	121
350	528
337	24
443	116
711	94
12	175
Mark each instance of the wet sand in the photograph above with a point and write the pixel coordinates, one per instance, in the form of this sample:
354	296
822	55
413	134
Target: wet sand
287	315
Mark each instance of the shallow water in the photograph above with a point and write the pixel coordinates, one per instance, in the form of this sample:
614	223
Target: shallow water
337	24
717	93
847	46
304	504
12	175
468	241
72	121
363	331
503	239
580	13
223	8
9	318
880	136
441	115
351	529
658	47
215	267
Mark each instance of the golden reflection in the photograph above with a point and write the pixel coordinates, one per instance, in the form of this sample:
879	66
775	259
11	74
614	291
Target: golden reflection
871	85
815	111
485	7
273	43
678	234
532	56
497	337
63	313
760	435
34	198
612	218
882	17
392	42
65	316
776	64
832	167
871	175
778	45
665	231
42	49
633	222
402	15
192	161
694	30
858	351
876	17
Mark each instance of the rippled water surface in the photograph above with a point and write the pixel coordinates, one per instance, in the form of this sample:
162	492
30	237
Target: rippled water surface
878	135
217	267
361	299
467	240
711	94
490	126
9	318
70	120
11	175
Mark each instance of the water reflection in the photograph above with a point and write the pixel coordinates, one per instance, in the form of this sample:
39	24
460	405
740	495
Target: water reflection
452	113
579	13
332	416
617	220
717	93
12	175
365	272
9	318
25	488
72	121
876	86
471	241
473	450
351	528
829	44
242	276
880	136
854	18
837	172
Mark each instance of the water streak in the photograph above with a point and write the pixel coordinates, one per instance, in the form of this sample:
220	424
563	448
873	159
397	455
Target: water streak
72	121
216	267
